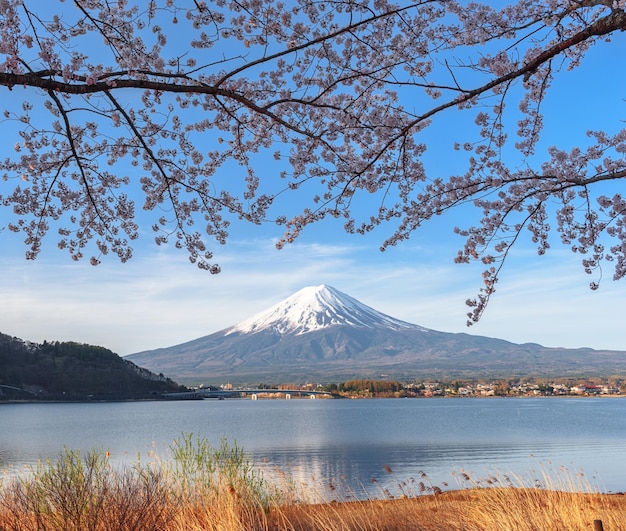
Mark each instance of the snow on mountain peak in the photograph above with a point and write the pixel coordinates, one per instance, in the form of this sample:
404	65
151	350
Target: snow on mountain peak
316	307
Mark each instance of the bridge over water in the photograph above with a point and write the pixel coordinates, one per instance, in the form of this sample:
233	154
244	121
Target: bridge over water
18	389
253	393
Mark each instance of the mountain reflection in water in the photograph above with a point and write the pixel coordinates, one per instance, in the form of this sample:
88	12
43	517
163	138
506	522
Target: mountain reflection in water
341	448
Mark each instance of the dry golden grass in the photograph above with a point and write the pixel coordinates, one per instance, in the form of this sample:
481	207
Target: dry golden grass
485	509
217	489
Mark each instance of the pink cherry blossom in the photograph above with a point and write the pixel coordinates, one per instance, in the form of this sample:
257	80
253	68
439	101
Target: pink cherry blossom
189	102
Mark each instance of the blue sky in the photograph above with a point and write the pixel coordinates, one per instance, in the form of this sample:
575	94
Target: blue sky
159	299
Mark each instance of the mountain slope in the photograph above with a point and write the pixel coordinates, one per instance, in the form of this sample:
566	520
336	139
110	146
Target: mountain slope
317	307
321	334
72	371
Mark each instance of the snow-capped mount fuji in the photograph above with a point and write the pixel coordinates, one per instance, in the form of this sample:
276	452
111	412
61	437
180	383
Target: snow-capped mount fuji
317	307
320	334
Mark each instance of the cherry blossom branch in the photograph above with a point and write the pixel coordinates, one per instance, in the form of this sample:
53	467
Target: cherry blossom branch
340	94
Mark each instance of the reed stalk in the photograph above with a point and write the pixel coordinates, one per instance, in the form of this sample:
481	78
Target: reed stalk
202	487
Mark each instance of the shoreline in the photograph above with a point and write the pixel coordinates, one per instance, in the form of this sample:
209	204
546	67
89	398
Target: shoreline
187	399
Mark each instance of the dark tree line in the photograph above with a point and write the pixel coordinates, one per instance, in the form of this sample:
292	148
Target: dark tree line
372	386
72	370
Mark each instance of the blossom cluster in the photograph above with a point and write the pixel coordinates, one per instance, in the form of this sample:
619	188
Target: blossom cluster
186	101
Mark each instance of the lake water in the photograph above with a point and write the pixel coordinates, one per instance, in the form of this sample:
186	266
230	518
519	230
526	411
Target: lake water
367	447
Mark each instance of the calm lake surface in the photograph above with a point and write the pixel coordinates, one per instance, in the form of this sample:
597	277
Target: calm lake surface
351	444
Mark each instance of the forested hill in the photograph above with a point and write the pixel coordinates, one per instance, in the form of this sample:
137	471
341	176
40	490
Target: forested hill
72	371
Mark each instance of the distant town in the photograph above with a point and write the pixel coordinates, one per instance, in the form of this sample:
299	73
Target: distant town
394	389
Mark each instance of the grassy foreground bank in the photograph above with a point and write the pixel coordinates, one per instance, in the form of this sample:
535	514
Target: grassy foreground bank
217	488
